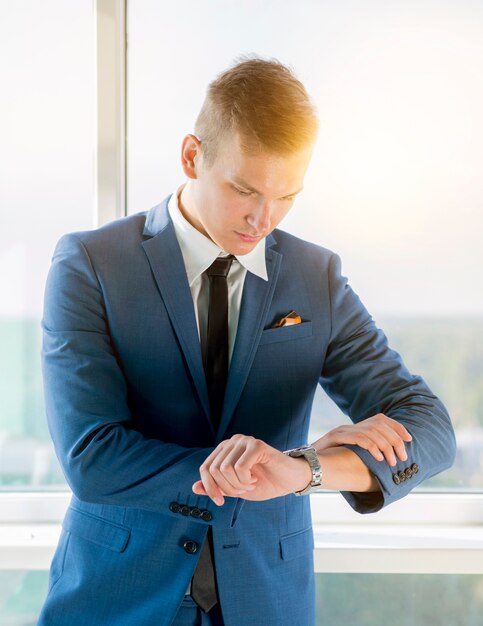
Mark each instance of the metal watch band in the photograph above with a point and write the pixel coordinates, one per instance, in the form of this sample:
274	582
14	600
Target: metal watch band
313	460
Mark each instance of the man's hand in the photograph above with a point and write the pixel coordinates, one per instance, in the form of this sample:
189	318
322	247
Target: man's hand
250	468
380	435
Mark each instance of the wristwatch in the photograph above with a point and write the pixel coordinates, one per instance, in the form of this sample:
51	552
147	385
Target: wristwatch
313	460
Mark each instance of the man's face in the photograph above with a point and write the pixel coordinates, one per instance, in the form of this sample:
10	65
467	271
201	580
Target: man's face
241	198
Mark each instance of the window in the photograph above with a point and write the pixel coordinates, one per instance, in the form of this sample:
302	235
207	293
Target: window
46	189
394	188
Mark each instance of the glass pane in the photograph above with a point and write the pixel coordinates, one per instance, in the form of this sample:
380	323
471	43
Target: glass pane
22	594
402	599
46	189
395	183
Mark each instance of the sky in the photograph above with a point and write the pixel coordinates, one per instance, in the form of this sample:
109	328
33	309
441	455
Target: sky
396	181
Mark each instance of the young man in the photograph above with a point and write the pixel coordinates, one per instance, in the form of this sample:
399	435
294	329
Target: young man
182	349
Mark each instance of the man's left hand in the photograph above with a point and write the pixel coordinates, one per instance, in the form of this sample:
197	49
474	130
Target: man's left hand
243	466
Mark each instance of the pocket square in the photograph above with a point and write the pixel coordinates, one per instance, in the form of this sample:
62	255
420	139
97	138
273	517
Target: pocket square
290	319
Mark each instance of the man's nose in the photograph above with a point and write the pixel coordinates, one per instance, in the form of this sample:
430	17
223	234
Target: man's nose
261	217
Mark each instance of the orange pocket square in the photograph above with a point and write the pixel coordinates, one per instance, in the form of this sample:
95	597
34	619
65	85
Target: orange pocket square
290	319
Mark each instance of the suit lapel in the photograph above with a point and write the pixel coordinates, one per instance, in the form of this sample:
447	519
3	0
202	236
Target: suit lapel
166	261
256	299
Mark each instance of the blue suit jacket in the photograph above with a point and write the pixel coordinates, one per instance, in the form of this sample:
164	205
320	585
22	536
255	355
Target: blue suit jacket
128	410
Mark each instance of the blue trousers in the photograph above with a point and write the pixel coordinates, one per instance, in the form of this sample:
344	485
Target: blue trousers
190	614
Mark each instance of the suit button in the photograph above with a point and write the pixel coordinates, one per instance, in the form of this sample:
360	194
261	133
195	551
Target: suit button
396	479
415	468
185	510
174	507
409	472
195	512
206	515
402	476
191	547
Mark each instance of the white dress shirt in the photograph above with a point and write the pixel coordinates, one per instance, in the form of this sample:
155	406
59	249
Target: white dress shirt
199	252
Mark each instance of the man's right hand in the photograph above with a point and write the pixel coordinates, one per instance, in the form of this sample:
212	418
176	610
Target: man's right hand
380	435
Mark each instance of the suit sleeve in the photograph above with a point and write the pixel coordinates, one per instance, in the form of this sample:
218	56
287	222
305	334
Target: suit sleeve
365	377
104	458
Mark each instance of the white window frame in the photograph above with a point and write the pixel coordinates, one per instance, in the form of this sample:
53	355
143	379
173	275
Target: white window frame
425	533
434	533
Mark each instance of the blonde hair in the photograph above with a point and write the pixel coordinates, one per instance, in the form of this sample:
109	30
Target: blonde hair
264	103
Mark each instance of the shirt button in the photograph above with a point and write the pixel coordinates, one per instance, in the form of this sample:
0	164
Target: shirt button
174	507
206	515
191	547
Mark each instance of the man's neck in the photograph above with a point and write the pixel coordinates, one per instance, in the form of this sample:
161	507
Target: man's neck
186	204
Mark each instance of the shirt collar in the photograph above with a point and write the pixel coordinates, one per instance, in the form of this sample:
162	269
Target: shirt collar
199	251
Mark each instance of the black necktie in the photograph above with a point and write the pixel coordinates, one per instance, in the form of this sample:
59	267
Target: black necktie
216	345
203	584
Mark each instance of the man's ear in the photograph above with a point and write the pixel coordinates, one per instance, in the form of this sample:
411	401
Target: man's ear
190	155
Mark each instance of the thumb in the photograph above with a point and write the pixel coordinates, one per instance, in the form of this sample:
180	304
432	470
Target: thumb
198	488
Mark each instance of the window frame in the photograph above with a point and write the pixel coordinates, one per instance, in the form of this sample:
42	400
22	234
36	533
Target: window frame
425	533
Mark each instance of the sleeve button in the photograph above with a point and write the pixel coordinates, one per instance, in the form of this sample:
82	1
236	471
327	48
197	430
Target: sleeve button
195	511
415	468
206	515
402	476
174	507
396	479
185	510
409	472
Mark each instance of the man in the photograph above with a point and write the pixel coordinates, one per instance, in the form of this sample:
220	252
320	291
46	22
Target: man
182	349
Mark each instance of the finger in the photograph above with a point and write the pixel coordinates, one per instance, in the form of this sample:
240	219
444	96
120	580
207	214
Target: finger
213	491
400	429
215	484
222	471
394	438
377	446
237	466
398	446
198	488
211	488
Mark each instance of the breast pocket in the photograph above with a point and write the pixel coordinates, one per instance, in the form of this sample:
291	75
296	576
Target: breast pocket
286	333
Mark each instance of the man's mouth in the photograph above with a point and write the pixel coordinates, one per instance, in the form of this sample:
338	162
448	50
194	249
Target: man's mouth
249	238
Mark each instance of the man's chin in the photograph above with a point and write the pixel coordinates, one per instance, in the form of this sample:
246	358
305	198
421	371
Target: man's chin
242	244
241	249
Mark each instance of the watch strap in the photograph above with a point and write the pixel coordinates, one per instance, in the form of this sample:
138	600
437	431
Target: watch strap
312	459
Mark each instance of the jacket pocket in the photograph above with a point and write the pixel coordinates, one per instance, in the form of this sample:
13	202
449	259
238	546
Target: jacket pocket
296	544
97	530
286	333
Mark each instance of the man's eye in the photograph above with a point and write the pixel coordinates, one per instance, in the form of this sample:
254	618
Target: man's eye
243	193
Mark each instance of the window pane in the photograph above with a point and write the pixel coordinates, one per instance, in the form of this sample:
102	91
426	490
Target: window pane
21	597
46	189
402	599
396	180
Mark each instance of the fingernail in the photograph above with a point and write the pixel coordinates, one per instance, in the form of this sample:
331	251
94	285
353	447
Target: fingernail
219	500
